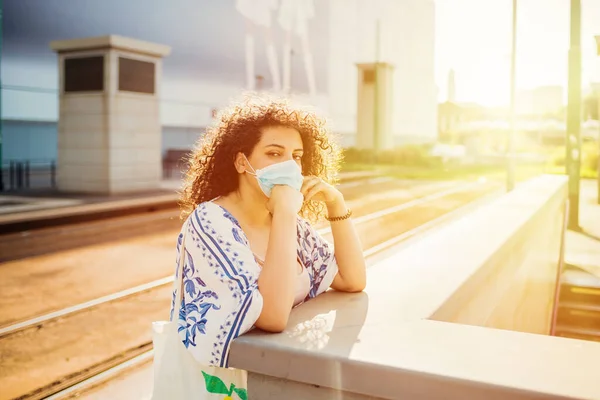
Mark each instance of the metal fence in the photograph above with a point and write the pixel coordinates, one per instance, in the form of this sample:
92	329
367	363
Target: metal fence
17	175
22	175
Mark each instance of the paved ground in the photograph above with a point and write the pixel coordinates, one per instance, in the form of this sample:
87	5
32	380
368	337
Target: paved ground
133	384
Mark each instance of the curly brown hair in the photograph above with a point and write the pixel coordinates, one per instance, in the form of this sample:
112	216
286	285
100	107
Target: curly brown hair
211	171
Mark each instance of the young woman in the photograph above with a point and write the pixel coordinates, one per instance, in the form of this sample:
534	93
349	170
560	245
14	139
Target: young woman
254	182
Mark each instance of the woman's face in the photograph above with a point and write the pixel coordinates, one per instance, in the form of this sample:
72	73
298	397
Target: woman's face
277	144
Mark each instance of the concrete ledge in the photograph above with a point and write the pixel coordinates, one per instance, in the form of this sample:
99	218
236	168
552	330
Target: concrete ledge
383	344
26	220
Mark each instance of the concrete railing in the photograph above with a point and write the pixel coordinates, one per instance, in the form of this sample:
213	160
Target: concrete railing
426	326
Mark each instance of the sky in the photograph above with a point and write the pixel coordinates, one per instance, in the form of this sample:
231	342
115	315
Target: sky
474	38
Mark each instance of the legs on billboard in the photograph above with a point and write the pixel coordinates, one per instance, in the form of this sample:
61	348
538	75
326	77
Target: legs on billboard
250	75
273	62
293	18
309	65
257	14
287	63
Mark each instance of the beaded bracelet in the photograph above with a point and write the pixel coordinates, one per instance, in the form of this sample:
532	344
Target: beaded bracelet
341	218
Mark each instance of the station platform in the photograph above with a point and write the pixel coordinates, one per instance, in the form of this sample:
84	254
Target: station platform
40	203
26	202
38	208
582	249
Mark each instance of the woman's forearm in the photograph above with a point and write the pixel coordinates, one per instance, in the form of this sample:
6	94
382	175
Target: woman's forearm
277	278
352	275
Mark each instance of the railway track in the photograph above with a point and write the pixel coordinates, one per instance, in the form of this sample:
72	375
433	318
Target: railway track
130	310
35	286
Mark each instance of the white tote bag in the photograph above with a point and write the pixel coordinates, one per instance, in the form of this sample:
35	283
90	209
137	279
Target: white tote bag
177	374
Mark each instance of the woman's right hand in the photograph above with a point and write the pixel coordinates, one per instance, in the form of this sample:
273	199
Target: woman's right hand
285	199
277	278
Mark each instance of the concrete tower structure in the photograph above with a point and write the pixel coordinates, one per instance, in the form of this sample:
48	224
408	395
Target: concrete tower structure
109	131
406	41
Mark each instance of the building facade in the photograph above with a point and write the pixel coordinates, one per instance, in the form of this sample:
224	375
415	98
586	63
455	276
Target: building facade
311	54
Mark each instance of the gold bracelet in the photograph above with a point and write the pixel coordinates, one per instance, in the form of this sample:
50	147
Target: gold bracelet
341	218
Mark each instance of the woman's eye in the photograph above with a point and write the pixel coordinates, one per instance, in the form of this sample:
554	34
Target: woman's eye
299	158
274	154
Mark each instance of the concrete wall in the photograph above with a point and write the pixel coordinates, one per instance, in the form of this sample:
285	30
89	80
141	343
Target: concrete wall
514	289
271	388
29	140
175	137
386	342
185	110
30	77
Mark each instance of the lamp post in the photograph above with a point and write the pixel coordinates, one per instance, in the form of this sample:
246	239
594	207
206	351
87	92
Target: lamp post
510	143
598	96
376	136
573	147
1	169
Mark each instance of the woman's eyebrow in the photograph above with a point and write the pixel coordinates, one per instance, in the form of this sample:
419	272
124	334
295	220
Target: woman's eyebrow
281	147
275	145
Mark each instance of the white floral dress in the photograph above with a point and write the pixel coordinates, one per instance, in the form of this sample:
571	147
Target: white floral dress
220	298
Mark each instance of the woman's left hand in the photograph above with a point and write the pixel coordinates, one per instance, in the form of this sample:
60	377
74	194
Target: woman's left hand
314	188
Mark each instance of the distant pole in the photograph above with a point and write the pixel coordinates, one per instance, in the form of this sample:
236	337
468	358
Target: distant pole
598	166
598	110
573	148
377	40
1	169
289	93
376	138
510	143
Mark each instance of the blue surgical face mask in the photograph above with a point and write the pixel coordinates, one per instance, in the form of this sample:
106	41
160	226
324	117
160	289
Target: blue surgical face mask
283	173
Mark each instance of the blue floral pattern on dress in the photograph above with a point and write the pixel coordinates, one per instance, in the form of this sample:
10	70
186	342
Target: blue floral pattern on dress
220	297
